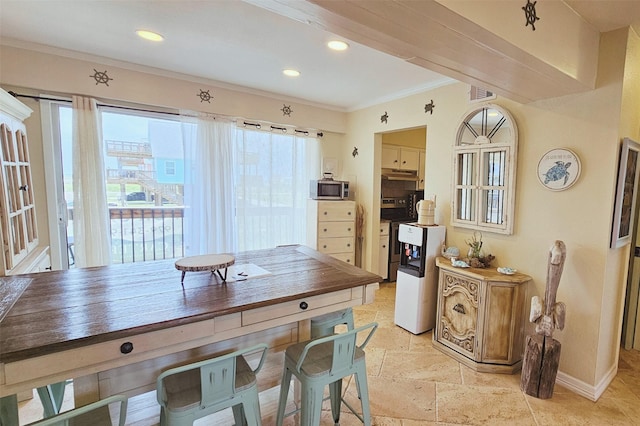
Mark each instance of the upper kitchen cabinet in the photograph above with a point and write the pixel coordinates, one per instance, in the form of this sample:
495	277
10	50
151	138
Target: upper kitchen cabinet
422	159
18	228
400	158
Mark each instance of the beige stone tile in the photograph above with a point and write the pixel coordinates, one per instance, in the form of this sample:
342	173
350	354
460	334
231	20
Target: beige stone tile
417	366
479	405
390	337
398	398
568	408
474	378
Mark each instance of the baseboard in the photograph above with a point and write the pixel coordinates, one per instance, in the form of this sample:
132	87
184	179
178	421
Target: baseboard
581	388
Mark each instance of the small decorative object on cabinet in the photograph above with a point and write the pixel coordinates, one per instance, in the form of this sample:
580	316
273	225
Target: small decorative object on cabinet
480	317
18	227
332	228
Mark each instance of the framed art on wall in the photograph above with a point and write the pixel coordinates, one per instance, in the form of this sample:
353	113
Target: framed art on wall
626	193
559	169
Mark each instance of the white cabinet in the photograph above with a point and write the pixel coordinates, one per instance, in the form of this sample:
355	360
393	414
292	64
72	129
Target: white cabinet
422	159
331	228
383	254
18	227
399	158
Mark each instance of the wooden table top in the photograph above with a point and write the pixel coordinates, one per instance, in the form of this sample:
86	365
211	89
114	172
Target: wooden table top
62	310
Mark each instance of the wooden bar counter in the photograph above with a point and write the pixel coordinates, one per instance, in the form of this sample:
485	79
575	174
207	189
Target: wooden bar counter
113	329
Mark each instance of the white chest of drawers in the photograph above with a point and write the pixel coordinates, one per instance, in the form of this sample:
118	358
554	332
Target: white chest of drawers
331	228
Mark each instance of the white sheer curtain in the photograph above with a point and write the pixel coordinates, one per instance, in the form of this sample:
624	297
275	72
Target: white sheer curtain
90	213
209	224
273	187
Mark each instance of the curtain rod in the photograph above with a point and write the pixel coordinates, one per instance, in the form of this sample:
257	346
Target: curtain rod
44	98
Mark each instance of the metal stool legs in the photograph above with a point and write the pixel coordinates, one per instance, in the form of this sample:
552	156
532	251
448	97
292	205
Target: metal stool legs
325	362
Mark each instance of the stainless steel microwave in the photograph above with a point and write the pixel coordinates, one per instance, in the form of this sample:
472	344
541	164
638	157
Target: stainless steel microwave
329	189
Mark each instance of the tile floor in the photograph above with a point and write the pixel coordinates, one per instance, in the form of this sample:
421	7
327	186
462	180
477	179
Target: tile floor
411	383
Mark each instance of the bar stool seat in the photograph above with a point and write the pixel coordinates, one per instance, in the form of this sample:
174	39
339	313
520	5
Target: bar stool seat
196	390
324	325
326	361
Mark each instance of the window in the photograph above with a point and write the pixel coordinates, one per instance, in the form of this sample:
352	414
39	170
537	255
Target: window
145	167
484	170
170	168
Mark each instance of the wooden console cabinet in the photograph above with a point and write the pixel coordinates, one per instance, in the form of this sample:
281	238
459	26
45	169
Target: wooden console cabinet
480	317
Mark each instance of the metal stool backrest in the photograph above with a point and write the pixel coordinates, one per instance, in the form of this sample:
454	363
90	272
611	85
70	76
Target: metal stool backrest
96	413
325	361
195	390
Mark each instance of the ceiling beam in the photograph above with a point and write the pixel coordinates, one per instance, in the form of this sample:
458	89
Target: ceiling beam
430	35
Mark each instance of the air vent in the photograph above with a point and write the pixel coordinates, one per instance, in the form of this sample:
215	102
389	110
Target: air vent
477	94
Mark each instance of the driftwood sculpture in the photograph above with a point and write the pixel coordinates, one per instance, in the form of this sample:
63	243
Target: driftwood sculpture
542	351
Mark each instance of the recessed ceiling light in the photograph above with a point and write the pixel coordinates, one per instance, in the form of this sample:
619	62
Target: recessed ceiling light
149	35
337	45
291	73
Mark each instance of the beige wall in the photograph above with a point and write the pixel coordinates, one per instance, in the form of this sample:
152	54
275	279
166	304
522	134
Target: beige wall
592	284
414	138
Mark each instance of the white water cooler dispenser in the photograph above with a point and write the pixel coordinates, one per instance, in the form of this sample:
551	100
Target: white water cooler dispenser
417	281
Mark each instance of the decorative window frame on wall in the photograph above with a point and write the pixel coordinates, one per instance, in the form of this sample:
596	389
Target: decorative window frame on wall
484	170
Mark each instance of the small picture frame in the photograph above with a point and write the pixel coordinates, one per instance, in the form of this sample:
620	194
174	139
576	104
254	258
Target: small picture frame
626	193
559	169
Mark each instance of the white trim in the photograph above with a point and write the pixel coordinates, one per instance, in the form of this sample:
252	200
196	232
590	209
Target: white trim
56	205
583	389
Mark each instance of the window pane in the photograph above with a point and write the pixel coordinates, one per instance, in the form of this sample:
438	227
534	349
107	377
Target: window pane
466	169
493	201
272	188
466	204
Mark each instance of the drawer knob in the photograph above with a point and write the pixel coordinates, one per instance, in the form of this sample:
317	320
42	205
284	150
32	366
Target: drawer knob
349	213
325	213
304	305
348	244
349	229
459	308
126	347
325	229
324	246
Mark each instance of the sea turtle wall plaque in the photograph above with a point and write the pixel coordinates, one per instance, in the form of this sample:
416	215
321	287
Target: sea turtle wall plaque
559	169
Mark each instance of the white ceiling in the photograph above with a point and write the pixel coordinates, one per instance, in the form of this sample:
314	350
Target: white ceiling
239	44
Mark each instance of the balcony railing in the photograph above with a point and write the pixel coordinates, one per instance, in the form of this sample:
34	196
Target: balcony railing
149	233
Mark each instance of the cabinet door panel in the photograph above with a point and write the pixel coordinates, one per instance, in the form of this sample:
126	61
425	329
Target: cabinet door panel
458	312
501	324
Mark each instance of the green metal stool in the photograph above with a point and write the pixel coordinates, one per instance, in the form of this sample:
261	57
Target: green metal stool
326	361
94	414
196	390
324	325
51	397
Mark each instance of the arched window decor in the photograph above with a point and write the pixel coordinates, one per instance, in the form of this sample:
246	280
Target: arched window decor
484	175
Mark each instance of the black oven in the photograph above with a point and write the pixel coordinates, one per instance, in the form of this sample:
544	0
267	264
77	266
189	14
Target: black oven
397	211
